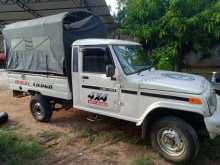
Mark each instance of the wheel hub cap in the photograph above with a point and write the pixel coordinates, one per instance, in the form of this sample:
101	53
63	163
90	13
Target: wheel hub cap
38	112
171	142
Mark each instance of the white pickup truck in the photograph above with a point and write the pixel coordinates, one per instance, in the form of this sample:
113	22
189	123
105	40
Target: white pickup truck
114	78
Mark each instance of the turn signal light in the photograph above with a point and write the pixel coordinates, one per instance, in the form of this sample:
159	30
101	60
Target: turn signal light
195	101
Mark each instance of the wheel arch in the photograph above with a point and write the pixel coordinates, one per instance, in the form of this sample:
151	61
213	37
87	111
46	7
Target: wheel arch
32	92
196	120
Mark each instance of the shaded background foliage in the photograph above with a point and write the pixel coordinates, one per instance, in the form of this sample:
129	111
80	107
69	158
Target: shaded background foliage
168	29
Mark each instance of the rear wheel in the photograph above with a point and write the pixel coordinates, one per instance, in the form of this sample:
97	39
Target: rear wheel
40	108
174	139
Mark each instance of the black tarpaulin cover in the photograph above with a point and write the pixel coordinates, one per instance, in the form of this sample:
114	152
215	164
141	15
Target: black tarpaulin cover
43	45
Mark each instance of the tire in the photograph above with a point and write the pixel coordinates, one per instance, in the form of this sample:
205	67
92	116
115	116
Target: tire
3	117
40	108
174	139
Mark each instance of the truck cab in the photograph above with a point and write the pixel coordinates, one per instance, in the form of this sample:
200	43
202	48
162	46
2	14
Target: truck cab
115	78
107	83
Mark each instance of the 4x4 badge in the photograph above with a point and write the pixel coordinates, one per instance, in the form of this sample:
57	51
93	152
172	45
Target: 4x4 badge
98	99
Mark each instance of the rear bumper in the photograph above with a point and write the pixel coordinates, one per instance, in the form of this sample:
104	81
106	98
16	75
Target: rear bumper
213	122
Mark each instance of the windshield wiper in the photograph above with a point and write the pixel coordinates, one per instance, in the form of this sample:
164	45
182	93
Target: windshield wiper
145	68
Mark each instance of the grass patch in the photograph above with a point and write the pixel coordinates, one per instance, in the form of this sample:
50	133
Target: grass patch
8	128
87	133
137	141
209	151
142	161
15	149
92	136
69	139
112	135
46	135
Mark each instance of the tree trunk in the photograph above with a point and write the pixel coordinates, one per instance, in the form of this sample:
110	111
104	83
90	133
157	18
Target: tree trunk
179	59
144	44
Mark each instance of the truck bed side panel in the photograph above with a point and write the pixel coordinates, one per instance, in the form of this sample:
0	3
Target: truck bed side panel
53	86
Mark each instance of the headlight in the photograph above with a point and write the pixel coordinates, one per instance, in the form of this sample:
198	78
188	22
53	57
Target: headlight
212	101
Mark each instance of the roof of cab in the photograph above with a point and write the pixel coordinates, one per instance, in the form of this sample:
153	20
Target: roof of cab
103	42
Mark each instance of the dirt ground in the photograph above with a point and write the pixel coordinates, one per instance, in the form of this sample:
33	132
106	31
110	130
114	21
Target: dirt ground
3	80
104	142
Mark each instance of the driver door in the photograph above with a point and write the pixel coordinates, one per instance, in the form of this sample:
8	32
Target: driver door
96	89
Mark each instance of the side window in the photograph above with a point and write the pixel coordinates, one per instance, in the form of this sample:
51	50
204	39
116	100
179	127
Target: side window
75	59
95	60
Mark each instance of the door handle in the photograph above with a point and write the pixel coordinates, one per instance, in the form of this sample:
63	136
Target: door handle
85	77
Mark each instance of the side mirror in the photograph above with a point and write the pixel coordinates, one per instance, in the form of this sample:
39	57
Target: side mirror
110	70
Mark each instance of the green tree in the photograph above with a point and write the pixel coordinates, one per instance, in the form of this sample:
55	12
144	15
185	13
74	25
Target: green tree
168	29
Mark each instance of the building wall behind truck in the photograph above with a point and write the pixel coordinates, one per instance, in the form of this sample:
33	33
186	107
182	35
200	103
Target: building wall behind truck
1	44
203	63
2	63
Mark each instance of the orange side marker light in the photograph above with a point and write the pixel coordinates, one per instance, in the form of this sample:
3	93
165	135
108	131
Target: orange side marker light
195	101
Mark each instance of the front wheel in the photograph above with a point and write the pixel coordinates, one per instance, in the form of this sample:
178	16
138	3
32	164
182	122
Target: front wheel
40	108
174	139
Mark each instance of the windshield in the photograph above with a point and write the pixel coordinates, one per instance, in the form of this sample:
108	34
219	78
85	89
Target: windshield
132	58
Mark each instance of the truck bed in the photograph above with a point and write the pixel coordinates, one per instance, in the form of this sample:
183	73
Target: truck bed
48	85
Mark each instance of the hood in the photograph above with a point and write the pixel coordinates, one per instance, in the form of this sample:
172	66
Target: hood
173	81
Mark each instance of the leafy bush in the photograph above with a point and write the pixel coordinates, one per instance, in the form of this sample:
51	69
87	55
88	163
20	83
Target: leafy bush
164	57
191	24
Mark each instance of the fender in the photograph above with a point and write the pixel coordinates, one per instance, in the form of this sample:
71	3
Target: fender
171	105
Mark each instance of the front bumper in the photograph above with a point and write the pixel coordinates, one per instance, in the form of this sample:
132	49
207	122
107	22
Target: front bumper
213	122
